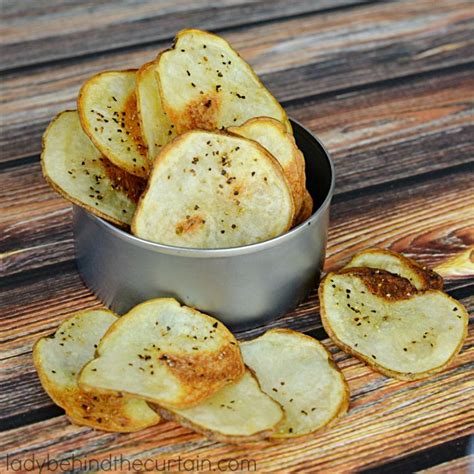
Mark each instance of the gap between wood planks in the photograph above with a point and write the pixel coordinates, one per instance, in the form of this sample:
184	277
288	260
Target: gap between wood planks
399	182
425	459
379	84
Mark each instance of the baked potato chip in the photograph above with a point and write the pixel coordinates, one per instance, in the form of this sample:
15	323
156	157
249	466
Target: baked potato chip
157	130
58	360
271	134
422	278
205	84
165	353
405	337
460	265
76	169
211	190
306	209
239	412
383	283
107	106
299	373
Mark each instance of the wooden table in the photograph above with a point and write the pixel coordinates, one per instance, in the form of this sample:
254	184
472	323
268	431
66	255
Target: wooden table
387	86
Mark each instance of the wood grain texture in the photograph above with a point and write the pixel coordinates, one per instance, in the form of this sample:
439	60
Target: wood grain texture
463	465
415	222
388	88
33	29
317	54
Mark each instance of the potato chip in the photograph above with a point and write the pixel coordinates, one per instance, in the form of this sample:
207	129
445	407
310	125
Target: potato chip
205	84
157	130
165	353
271	134
239	412
107	106
299	373
76	169
214	190
460	265
407	337
419	276
58	360
306	209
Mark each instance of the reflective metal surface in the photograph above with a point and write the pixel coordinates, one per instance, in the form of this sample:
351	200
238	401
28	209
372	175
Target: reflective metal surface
242	286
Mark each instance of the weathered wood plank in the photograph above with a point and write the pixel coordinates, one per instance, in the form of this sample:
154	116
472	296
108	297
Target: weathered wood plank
425	219
429	220
31	31
384	130
462	465
296	58
385	419
410	127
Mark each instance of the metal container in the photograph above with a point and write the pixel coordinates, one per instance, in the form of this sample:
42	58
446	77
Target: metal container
242	286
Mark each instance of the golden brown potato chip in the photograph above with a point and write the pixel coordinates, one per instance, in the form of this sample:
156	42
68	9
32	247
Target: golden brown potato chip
306	209
238	413
205	84
107	106
157	129
165	353
460	265
214	190
58	360
271	134
299	373
419	276
407	337
77	170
